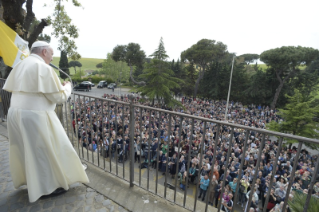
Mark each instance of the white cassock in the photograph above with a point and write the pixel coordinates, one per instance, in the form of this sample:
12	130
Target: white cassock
41	154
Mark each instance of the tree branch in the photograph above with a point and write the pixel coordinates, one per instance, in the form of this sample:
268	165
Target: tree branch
29	18
37	31
133	80
12	12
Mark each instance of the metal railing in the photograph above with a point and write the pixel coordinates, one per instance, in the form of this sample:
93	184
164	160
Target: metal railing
5	100
120	119
132	117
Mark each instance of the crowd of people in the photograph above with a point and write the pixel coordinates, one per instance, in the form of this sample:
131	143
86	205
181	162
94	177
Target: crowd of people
178	148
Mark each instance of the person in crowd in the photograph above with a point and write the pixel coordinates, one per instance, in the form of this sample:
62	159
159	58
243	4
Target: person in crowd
204	183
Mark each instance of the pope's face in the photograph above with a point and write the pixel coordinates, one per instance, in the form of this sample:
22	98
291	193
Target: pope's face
47	55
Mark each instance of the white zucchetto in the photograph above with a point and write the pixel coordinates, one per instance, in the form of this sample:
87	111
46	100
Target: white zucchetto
39	44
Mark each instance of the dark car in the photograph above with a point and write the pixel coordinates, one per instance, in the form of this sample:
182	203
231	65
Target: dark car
102	84
83	87
111	85
92	84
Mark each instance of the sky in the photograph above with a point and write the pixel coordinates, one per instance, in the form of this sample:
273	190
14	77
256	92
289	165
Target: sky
245	26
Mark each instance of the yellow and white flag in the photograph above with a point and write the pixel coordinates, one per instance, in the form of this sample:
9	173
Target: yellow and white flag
13	48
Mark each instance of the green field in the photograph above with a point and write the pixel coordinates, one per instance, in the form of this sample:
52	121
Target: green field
87	63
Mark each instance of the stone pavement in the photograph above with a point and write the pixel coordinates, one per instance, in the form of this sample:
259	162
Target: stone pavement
79	197
105	192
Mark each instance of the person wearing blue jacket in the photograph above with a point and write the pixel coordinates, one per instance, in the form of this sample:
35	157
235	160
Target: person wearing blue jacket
204	182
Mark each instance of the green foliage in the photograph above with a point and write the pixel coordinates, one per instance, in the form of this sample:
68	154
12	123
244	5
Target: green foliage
202	54
117	71
160	53
216	82
160	82
298	118
87	64
132	55
75	64
99	65
285	62
298	203
65	30
250	58
190	79
64	65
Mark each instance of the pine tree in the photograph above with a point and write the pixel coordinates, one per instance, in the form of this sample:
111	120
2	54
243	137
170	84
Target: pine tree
160	78
298	118
64	65
160	53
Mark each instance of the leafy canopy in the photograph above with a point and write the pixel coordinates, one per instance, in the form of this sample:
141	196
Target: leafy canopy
298	118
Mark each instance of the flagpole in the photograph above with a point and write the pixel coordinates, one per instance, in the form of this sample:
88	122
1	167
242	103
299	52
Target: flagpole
231	75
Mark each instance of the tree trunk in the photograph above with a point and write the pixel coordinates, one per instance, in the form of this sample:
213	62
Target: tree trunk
133	80
200	77
281	85
278	90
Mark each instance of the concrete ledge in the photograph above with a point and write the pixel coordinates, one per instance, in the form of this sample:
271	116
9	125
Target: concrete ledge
138	199
119	191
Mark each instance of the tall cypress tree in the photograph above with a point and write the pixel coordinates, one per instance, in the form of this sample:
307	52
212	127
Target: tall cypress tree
64	65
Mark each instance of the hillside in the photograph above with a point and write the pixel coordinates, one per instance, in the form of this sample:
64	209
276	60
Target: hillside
87	63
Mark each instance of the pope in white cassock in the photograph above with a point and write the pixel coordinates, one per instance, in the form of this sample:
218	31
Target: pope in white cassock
41	155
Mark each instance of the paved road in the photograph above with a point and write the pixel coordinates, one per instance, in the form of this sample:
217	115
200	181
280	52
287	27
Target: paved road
99	92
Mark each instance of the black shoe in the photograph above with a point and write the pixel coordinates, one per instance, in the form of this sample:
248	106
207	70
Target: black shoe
203	199
199	196
57	192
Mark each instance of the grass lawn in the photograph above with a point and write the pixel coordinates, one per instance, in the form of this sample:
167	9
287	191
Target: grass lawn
87	63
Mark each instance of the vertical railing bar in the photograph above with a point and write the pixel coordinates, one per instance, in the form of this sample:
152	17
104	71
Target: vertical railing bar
103	136
200	165
226	168
86	133
273	174
168	143
97	140
158	146
188	161
131	143
252	186
77	127
109	115
313	180
122	118
116	141
213	162
178	153
292	176
140	172
149	149
241	168
72	132
92	131
66	119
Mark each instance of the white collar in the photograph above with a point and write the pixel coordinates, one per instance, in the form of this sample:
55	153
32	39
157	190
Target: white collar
37	56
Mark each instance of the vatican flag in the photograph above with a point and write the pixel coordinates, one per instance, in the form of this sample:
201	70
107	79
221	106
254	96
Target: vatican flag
13	48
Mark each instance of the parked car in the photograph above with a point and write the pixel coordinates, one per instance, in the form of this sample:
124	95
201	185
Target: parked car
92	84
82	87
111	85
102	84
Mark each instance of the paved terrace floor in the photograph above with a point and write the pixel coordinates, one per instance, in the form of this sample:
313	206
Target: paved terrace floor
104	193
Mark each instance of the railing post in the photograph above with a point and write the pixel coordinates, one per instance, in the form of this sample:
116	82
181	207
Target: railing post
59	112
132	125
